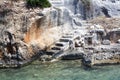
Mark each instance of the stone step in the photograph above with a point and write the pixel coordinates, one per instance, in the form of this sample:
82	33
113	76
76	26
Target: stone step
61	44
83	22
86	24
65	39
56	48
67	36
51	52
69	33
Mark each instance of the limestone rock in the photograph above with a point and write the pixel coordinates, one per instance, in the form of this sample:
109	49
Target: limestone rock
118	41
106	42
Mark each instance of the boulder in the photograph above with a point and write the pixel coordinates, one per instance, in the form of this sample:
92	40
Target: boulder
106	42
118	41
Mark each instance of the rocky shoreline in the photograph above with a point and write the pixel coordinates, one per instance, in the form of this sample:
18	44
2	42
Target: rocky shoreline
65	31
104	56
92	58
91	50
15	63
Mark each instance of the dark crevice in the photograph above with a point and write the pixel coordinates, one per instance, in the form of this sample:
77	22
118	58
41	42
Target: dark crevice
105	11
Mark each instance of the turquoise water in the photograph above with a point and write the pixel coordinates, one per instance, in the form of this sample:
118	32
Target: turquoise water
63	70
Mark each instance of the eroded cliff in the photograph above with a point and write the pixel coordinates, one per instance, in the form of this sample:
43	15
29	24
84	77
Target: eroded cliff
25	32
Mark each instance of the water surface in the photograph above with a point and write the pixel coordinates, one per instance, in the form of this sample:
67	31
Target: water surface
63	70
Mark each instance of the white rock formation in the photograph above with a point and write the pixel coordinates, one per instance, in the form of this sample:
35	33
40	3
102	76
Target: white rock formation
112	7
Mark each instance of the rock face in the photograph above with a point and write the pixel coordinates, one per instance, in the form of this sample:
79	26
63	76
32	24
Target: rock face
14	23
24	32
109	8
73	11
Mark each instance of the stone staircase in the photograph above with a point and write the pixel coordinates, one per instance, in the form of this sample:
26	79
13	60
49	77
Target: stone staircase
64	43
61	45
83	29
84	23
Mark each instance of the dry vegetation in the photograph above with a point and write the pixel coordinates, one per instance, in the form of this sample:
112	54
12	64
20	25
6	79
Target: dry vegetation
107	23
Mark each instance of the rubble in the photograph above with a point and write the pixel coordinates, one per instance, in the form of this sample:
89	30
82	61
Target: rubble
107	52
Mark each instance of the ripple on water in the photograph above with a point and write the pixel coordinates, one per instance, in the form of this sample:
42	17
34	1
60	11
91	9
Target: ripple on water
63	70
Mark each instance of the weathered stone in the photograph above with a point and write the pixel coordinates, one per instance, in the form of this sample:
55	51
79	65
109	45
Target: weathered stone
118	41
106	42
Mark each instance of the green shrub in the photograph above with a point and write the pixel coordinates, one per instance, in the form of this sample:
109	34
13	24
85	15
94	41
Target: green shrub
38	3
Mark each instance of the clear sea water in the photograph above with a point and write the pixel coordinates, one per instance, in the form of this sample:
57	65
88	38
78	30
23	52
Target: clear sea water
62	70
